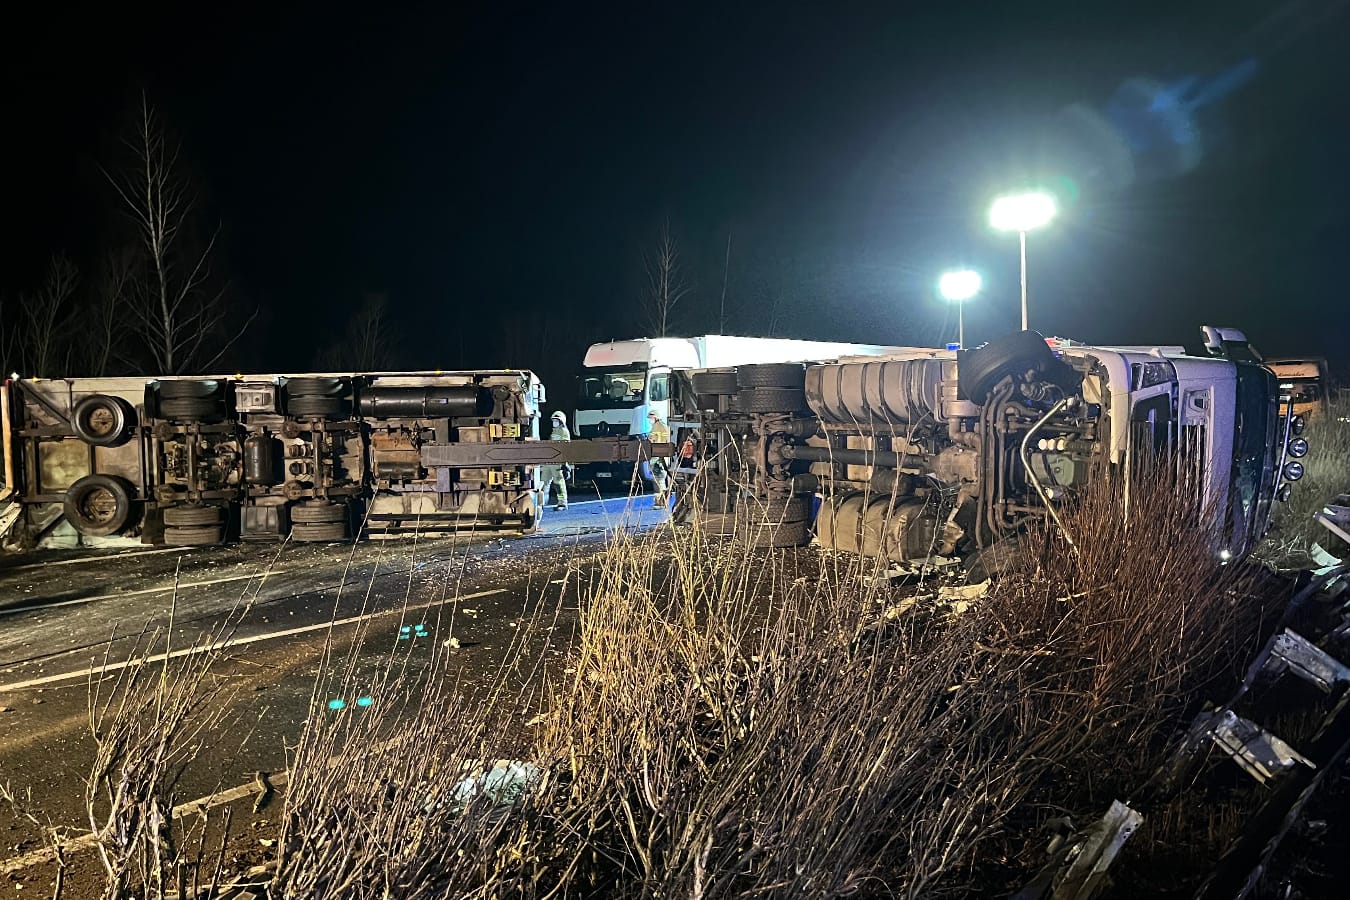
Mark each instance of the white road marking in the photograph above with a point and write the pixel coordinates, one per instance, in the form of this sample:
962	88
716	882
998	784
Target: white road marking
233	642
128	554
167	589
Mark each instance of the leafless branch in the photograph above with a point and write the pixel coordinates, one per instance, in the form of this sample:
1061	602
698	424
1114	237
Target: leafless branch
666	282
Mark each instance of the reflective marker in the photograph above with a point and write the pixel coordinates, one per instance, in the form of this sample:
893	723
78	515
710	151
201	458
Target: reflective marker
337	704
364	701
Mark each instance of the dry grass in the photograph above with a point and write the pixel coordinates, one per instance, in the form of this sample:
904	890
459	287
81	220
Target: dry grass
1327	467
737	723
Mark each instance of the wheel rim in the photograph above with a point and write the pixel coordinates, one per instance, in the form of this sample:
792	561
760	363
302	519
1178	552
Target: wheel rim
98	506
101	422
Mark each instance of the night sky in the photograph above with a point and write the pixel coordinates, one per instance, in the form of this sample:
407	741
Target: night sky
498	170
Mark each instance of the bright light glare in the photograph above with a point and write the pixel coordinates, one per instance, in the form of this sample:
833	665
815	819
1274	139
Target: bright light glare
1023	212
959	285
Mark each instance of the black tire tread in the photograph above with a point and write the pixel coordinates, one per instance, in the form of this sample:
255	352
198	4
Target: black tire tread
771	375
316	513
314	407
190	515
193	535
316	532
190	410
1009	354
772	400
315	387
715	383
189	389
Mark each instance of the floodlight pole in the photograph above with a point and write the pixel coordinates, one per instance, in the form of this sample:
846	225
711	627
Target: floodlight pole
961	324
1022	239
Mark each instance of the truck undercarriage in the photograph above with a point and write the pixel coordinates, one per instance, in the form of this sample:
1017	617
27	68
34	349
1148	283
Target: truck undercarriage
195	461
941	454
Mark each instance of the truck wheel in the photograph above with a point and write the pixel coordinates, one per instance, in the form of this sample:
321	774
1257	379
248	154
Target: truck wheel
190	410
103	421
98	505
316	511
1011	354
315	532
315	387
192	514
1003	557
715	383
788	534
785	509
188	389
776	375
193	535
772	400
309	406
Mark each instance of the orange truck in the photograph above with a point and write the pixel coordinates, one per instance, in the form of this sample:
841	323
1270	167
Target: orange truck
1305	381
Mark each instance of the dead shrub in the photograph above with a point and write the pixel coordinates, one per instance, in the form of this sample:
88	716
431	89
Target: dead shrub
1326	476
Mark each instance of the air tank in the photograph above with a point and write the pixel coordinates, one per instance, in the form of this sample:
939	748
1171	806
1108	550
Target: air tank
453	402
260	453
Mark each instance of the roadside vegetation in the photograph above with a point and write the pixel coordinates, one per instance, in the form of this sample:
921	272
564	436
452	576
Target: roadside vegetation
1296	535
728	722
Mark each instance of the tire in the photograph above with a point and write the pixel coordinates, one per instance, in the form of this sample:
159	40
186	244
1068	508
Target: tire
715	383
98	505
312	513
772	400
1003	557
315	407
193	410
188	390
103	421
775	375
191	514
315	532
1011	354
788	534
785	509
315	387
194	535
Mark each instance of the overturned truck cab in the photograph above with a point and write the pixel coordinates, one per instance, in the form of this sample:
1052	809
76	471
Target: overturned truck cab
933	453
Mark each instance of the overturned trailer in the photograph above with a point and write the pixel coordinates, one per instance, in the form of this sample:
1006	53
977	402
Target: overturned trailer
314	457
932	453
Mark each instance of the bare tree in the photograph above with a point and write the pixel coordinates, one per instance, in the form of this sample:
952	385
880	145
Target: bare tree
44	315
368	343
775	313
372	337
108	302
666	284
722	305
172	301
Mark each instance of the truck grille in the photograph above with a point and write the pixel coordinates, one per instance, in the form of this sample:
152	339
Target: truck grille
605	430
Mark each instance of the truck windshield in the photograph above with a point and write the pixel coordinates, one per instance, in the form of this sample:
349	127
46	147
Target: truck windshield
1302	390
616	387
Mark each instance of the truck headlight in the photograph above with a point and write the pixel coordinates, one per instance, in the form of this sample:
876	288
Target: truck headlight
1283	492
1293	470
1298	448
1297	424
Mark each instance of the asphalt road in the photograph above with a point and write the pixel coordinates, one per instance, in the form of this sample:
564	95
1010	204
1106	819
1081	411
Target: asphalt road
65	616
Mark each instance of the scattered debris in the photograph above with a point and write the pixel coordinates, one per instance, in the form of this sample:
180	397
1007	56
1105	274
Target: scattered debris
1289	652
1078	863
1259	753
265	791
